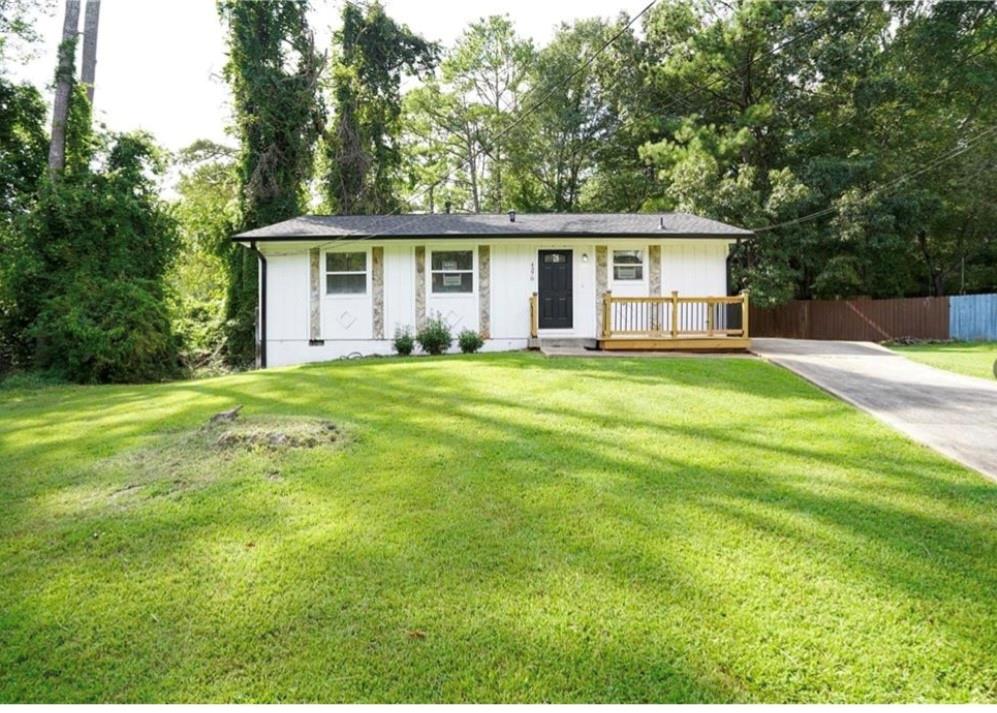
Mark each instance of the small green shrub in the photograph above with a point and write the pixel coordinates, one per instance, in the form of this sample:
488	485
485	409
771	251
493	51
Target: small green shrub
29	381
434	337
470	341
404	341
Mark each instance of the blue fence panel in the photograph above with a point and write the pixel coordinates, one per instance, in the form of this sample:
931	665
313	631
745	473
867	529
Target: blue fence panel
973	317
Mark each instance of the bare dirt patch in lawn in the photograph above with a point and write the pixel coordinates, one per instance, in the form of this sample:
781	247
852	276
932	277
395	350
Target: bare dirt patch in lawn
178	461
278	434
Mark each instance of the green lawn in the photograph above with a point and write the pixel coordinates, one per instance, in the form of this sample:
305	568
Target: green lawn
492	528
970	358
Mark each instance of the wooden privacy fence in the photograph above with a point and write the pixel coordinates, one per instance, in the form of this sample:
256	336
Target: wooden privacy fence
859	319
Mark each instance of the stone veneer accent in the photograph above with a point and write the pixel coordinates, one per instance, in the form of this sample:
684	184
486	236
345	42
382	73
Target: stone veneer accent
654	257
377	282
315	295
420	286
484	291
601	283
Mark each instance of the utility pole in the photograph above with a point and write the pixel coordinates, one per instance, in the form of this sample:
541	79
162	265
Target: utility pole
90	21
63	86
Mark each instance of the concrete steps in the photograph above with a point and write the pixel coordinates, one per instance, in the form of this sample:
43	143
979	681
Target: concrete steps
563	345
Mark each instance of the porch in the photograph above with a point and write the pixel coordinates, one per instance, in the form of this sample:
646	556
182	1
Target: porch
667	323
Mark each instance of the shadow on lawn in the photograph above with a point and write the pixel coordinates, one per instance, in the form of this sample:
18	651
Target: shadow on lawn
518	503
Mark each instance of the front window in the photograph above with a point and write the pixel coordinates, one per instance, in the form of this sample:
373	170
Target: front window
346	273
452	271
628	265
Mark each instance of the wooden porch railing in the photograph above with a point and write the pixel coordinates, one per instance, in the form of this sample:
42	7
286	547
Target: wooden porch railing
673	317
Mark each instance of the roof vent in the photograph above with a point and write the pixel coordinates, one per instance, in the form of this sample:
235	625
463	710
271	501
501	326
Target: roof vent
661	223
512	216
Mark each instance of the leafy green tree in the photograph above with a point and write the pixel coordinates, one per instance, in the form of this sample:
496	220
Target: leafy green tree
439	151
571	122
488	73
935	77
273	71
18	21
85	273
23	145
803	116
723	147
467	127
23	140
621	179
363	160
23	152
444	157
206	212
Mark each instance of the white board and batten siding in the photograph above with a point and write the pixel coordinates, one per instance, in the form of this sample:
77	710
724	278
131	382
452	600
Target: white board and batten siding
514	278
696	268
399	288
693	267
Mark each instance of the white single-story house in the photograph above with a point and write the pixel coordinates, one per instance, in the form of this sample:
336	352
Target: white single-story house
332	286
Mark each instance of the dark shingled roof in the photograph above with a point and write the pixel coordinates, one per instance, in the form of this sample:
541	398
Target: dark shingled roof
496	225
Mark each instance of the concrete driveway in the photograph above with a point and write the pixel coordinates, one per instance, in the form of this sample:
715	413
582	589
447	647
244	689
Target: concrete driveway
954	414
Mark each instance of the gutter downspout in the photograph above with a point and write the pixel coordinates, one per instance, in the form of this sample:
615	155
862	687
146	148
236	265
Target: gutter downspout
263	303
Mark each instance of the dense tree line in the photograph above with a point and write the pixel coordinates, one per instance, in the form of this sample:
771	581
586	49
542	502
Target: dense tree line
858	139
756	113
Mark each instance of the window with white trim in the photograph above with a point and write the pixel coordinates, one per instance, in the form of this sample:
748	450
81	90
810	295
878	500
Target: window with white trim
628	265
452	271
346	273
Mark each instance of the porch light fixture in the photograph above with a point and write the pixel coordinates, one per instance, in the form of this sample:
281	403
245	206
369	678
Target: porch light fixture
585	257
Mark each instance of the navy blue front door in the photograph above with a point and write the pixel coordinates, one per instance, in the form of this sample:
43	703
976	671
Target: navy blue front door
555	289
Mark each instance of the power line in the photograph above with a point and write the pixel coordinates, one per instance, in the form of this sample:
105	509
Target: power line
946	156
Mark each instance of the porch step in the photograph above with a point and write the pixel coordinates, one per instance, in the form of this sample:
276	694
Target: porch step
563	345
680	343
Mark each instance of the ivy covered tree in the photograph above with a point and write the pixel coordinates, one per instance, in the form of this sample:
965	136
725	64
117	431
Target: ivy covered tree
362	157
274	72
84	275
83	248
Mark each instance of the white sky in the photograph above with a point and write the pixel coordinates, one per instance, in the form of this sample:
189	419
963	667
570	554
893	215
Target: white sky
159	62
